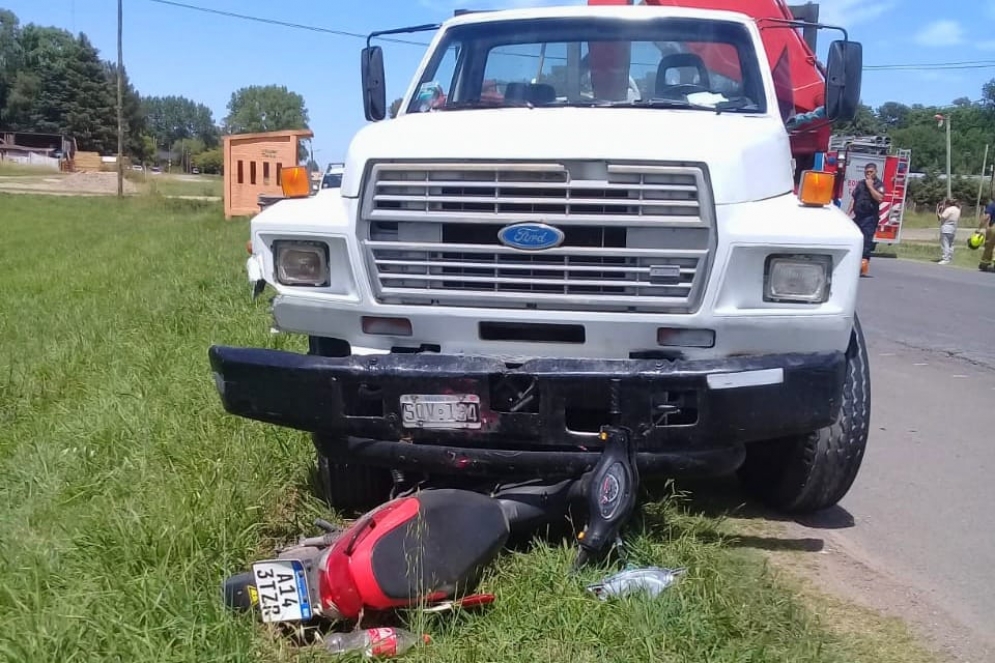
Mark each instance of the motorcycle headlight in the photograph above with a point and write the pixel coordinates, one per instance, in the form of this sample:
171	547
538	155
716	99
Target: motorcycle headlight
301	263
802	279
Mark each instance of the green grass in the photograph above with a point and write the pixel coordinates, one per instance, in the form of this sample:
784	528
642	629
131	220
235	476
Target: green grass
930	252
128	493
924	220
166	184
919	220
169	185
8	169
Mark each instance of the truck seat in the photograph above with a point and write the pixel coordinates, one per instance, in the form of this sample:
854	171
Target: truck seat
680	61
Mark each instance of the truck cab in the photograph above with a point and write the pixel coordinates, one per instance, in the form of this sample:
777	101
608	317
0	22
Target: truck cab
572	222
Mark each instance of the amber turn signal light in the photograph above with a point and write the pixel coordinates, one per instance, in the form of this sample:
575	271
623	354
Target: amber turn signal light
295	182
816	188
377	326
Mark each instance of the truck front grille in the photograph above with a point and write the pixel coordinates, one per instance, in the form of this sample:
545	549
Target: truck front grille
637	237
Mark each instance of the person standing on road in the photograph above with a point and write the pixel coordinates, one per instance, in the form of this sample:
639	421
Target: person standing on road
867	196
948	214
988	227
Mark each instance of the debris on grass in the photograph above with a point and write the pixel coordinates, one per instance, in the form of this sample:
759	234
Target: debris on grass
650	580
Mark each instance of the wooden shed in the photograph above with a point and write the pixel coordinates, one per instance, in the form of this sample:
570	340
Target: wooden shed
253	166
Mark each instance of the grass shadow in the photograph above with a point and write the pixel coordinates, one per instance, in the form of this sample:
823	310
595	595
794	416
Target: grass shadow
724	497
718	500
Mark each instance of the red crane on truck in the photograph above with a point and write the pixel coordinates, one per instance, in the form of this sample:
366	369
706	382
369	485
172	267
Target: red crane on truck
798	75
799	82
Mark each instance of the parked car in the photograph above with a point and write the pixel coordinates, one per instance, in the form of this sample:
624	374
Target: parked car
333	178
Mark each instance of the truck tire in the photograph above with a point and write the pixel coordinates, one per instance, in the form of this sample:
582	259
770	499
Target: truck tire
346	487
352	488
813	472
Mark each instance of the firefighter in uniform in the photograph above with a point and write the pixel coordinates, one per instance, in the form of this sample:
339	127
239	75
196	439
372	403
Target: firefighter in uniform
867	195
988	227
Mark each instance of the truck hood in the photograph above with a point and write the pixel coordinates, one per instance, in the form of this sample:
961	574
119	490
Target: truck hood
748	156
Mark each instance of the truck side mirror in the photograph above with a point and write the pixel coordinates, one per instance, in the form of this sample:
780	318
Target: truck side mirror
374	88
843	74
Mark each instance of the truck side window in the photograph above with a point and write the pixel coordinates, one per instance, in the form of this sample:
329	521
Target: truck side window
434	93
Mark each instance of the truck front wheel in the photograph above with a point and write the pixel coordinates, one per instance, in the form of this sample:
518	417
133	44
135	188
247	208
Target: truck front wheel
813	472
346	487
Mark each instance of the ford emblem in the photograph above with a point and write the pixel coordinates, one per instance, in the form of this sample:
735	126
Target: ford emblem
531	236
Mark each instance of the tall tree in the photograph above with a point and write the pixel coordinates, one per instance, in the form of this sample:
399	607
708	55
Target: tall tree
260	108
864	123
893	114
10	56
186	150
91	114
54	82
988	98
173	118
134	118
39	92
210	161
62	88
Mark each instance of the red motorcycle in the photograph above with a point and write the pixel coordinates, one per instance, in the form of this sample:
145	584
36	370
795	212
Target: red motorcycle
429	548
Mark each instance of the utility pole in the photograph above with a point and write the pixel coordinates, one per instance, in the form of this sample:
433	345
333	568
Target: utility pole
809	13
981	180
949	175
941	119
120	100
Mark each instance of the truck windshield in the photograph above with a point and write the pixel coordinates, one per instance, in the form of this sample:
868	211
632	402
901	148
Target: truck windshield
594	61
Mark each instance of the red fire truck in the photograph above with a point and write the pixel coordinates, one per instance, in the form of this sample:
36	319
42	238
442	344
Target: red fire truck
846	156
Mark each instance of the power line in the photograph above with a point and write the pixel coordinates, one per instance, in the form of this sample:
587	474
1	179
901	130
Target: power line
286	24
966	64
936	68
969	64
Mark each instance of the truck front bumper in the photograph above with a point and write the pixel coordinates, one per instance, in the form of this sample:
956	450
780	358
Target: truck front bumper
539	418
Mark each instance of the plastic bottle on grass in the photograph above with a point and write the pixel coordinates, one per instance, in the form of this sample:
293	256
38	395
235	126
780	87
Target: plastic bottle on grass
373	642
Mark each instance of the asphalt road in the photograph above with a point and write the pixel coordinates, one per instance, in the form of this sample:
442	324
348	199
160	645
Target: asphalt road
923	504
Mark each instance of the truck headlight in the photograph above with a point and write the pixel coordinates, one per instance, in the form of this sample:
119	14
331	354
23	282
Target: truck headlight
803	279
301	263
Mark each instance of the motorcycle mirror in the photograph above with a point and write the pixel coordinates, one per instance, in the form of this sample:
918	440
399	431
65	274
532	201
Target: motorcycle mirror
239	592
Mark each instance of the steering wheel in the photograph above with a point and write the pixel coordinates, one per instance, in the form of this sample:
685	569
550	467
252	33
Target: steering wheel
682	90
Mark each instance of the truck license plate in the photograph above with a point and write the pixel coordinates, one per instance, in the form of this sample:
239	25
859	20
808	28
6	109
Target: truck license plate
282	588
440	411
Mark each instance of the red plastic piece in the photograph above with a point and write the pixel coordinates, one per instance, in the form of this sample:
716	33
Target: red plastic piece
348	582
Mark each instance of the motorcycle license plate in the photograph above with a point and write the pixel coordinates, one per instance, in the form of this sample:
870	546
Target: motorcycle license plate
445	411
281	586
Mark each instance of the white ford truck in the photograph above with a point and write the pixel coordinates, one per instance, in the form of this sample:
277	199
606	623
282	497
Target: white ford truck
571	223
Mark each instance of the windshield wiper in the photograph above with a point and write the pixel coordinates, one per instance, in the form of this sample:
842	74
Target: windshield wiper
652	103
480	103
737	103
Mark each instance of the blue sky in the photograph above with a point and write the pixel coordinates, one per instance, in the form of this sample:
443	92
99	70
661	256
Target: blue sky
170	50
